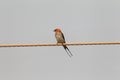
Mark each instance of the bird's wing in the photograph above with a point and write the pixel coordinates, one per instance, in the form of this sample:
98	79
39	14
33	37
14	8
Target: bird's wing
63	37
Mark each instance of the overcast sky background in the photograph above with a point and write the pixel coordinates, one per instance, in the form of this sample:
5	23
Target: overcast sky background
33	21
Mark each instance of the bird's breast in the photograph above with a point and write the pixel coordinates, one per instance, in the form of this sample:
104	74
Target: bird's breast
59	38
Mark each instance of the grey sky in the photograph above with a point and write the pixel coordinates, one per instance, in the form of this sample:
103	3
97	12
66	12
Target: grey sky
33	21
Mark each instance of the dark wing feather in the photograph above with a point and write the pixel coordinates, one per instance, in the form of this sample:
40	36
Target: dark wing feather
63	37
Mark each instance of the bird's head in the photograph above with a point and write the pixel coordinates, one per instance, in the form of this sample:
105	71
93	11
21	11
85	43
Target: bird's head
57	30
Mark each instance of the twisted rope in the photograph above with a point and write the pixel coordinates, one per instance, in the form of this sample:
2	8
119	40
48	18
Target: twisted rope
68	44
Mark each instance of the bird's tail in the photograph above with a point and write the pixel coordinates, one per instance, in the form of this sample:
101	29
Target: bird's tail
67	50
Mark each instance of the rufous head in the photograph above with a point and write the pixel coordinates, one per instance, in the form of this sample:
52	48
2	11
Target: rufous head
57	30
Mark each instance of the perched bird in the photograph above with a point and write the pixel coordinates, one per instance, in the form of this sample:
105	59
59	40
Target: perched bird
60	39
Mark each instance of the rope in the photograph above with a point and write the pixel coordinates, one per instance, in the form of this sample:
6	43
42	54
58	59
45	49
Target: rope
59	44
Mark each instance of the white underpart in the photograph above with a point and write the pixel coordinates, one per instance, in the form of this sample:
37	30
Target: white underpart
59	38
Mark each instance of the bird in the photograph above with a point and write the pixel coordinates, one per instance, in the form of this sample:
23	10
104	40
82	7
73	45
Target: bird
61	39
